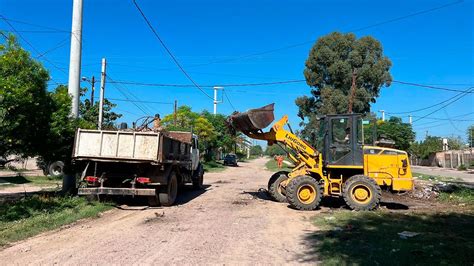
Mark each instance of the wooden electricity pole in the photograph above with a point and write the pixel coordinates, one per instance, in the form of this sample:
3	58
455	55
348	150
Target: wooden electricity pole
175	112
353	90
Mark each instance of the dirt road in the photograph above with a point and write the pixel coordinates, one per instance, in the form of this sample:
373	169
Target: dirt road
465	176
230	222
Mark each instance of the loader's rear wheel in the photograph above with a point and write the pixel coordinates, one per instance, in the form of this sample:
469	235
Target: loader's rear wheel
274	188
361	193
304	193
168	196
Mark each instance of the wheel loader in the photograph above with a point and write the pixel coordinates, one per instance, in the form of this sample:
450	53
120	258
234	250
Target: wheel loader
341	165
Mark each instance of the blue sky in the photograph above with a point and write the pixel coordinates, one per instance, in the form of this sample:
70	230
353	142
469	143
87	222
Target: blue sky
430	48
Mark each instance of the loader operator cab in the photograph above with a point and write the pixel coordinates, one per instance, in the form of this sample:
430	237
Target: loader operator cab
340	139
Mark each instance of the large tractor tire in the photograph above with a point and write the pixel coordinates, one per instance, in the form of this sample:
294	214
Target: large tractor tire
304	193
198	178
361	193
168	196
274	188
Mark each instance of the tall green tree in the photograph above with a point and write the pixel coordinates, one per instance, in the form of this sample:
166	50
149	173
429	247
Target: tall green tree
396	130
329	70
25	105
423	149
470	136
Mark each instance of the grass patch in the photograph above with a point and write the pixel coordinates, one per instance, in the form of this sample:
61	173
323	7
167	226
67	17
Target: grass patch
213	166
435	177
371	238
271	165
37	214
460	195
34	180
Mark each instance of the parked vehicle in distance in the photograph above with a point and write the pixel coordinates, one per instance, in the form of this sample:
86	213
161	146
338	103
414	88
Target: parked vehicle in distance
137	163
230	159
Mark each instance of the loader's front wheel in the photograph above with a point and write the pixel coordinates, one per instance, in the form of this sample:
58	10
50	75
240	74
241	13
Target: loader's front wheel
361	193
304	193
274	187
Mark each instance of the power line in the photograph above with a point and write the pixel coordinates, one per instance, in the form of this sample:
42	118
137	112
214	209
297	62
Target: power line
34	25
427	86
169	51
457	98
126	96
312	41
434	105
32	46
137	101
59	45
211	86
228	99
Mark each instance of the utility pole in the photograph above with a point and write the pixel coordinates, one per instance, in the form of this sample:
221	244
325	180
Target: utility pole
215	98
175	112
410	119
102	91
353	90
383	114
75	57
92	82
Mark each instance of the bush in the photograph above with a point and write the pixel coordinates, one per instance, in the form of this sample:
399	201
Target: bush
462	167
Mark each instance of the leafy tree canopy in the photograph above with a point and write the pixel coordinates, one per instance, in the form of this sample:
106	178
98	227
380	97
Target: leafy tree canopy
24	103
423	149
256	150
396	130
329	69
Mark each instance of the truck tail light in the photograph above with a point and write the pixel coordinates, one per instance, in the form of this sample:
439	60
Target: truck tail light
91	179
143	180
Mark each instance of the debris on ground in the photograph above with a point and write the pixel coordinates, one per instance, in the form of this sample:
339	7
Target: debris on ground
407	234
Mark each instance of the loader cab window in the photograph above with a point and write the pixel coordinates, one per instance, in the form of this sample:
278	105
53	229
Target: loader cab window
345	141
341	131
339	147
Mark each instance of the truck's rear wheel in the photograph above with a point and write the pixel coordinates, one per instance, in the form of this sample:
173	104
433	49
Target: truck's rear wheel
274	188
168	197
304	193
361	193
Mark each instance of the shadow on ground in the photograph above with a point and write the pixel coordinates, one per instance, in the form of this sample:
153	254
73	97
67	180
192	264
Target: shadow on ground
372	238
185	195
18	180
330	202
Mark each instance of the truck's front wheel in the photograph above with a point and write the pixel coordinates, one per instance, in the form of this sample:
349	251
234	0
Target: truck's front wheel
168	196
198	178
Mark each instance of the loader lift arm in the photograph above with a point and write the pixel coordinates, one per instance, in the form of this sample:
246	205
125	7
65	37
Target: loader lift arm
304	157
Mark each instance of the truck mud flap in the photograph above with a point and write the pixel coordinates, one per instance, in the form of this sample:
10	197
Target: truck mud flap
117	191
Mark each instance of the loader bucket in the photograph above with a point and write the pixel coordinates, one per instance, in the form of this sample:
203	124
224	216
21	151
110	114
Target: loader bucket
253	120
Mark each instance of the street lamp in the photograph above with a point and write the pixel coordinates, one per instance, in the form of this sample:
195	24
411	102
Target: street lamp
92	82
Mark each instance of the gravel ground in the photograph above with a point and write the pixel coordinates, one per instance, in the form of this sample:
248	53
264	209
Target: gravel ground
231	222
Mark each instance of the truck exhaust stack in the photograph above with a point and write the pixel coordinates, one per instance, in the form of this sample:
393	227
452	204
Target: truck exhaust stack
253	120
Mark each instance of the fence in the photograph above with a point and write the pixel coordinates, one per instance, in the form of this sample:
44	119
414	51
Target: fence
447	159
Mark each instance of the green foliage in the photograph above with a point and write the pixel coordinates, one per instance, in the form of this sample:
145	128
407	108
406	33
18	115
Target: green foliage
24	103
34	215
89	114
273	150
329	69
396	130
470	136
256	150
423	149
455	143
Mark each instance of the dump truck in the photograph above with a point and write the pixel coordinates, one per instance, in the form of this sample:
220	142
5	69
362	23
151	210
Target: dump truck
151	164
341	164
